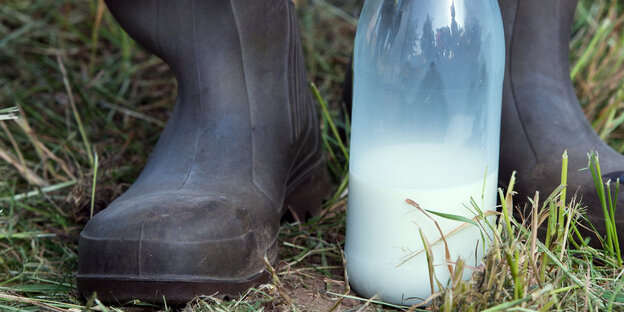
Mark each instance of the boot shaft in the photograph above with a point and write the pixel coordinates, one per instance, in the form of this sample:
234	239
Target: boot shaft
243	96
537	33
540	106
182	32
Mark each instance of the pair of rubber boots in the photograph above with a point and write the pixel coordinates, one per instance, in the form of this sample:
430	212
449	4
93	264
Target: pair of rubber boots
242	146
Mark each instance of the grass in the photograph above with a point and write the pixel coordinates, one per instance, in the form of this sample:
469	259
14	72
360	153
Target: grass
92	104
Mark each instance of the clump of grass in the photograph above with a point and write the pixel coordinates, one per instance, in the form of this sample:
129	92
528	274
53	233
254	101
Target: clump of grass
542	263
608	202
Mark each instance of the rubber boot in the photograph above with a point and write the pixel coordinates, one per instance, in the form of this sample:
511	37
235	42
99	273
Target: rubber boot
241	148
541	114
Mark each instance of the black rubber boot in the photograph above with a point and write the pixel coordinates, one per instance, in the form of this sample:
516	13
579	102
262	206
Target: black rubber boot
242	145
541	113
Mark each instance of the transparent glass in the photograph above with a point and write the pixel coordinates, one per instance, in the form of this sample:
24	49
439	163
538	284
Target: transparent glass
425	126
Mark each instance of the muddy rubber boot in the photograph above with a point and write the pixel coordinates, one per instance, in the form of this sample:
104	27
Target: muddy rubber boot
241	148
541	113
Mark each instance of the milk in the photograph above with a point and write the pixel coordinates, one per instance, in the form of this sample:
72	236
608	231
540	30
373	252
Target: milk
384	249
427	90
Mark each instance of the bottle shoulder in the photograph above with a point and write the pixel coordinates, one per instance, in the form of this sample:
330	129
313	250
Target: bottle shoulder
429	40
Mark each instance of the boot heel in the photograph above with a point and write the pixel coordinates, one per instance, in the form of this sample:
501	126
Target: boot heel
305	197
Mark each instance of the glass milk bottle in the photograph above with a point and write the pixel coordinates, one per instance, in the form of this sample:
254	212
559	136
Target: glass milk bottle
428	80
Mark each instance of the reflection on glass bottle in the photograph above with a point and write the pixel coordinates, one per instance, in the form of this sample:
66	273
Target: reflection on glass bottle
426	117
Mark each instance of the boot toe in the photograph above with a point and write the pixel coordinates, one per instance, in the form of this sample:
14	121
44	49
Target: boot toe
171	239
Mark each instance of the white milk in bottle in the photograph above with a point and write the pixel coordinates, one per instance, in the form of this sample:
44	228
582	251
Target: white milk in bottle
426	120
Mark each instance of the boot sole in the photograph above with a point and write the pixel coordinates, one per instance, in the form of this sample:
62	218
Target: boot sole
304	199
118	290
